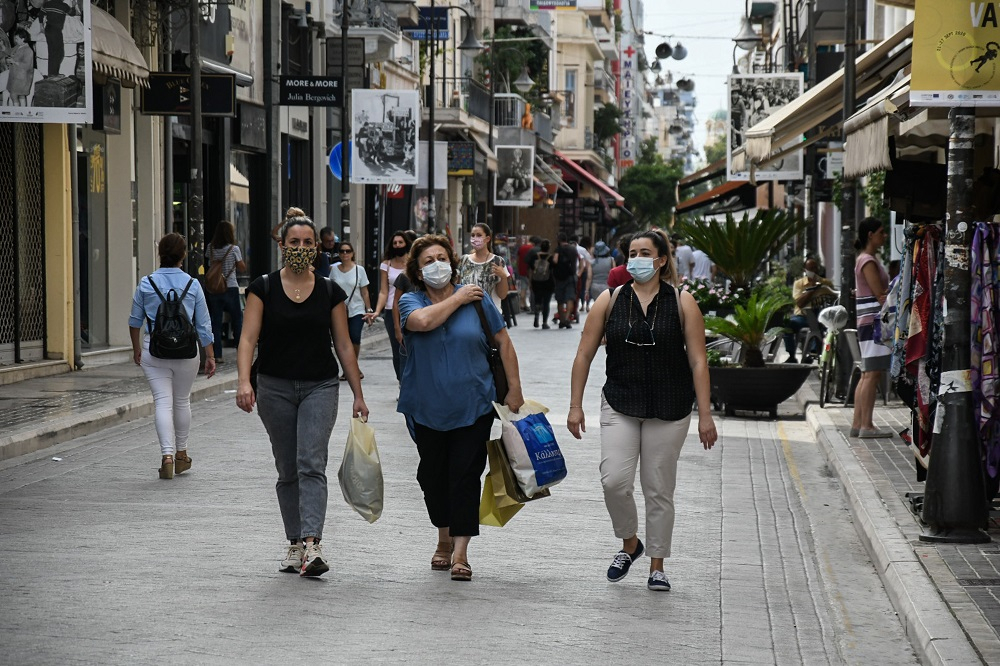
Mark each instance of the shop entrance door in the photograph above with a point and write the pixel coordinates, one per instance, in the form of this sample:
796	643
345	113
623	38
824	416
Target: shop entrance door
22	244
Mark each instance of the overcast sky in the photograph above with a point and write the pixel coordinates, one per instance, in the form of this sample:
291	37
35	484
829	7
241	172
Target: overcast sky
706	28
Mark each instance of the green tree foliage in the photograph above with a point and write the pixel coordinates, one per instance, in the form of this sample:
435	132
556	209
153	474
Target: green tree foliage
717	150
606	123
649	152
741	248
512	58
650	191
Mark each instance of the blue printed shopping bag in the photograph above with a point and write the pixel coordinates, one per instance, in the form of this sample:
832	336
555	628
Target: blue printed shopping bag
531	446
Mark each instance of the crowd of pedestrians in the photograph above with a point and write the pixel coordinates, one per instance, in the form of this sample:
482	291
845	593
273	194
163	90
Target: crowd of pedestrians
300	332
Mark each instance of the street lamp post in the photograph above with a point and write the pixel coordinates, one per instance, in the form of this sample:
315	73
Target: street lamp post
470	43
345	179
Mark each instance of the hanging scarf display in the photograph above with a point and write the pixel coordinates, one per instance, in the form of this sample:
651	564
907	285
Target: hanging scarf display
904	302
919	341
985	300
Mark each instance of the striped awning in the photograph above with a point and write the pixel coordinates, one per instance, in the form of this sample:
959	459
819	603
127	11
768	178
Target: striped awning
115	53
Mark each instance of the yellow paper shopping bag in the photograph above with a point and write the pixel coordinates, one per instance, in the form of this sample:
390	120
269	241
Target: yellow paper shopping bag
489	512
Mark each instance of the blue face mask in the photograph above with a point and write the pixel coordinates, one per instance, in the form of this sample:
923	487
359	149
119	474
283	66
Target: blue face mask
641	268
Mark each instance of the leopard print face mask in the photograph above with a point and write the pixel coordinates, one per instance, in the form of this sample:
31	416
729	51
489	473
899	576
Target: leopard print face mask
298	258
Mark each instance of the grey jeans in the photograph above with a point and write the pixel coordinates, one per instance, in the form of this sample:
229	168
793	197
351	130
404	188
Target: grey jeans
299	417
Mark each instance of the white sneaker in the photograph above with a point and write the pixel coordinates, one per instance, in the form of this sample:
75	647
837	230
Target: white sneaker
293	560
312	562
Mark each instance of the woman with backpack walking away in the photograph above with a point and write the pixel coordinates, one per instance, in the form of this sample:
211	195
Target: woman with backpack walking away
222	291
542	284
172	306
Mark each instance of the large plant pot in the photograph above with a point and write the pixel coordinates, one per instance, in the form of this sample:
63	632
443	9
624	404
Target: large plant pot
757	389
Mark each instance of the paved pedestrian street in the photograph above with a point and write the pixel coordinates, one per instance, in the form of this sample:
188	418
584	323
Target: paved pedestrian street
103	563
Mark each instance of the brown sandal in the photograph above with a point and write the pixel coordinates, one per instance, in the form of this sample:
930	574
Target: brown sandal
441	560
461	571
167	467
182	464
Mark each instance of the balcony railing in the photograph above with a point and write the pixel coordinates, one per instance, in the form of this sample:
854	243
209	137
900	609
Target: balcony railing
465	93
373	14
509	110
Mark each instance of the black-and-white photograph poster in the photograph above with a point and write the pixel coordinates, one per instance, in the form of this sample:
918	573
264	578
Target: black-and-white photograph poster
45	61
515	176
752	98
384	130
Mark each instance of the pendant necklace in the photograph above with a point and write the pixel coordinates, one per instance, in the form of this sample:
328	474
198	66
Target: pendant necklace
298	294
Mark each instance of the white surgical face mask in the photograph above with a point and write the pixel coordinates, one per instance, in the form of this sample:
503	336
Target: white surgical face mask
641	268
436	275
811	275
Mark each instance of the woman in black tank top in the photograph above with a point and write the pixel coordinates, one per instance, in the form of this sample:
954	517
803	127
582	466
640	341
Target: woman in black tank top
656	367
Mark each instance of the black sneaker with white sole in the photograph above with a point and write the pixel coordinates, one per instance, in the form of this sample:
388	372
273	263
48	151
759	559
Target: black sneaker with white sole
658	582
623	562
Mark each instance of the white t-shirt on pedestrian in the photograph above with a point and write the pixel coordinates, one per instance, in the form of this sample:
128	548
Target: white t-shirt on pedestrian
702	266
352	282
684	260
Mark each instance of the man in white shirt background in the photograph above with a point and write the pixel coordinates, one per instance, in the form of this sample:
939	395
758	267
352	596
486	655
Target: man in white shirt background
702	267
685	260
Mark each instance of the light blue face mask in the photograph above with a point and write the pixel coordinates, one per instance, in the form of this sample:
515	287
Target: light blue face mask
641	268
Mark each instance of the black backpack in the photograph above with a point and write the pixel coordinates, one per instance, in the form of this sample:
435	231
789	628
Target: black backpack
543	270
172	335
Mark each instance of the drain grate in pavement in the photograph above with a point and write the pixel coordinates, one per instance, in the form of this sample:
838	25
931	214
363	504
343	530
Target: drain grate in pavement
979	582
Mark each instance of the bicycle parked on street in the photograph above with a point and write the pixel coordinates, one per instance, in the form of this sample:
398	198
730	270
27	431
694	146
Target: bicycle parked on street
834	319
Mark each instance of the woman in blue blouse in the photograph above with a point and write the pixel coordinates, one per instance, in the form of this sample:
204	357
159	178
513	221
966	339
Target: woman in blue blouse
447	391
170	380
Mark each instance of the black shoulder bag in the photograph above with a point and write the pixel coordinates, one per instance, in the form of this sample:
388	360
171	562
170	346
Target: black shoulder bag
494	359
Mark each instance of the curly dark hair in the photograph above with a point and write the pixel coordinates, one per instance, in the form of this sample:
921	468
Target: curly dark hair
388	248
413	260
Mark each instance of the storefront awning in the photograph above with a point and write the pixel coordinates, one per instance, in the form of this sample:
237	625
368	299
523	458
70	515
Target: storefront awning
115	52
551	175
730	197
867	131
491	157
239	186
713	170
585	176
822	101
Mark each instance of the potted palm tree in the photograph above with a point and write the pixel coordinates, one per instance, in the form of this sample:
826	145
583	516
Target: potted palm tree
741	248
754	385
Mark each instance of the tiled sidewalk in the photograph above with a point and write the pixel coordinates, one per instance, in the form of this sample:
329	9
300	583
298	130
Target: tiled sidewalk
967	575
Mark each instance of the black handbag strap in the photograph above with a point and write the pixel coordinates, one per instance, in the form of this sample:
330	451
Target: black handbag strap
490	338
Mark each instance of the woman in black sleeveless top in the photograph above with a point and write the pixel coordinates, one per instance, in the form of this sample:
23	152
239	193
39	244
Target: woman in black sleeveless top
656	366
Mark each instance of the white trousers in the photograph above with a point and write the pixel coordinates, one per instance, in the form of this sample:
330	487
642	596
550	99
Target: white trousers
170	380
624	441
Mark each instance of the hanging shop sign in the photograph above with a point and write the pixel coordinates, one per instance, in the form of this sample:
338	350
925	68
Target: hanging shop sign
956	54
628	63
552	4
47	74
310	91
461	158
431	21
169	94
355	61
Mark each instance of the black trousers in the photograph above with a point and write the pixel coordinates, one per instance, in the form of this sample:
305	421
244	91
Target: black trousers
449	473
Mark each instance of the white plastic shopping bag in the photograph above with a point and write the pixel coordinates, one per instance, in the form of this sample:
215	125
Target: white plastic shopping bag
531	447
361	472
